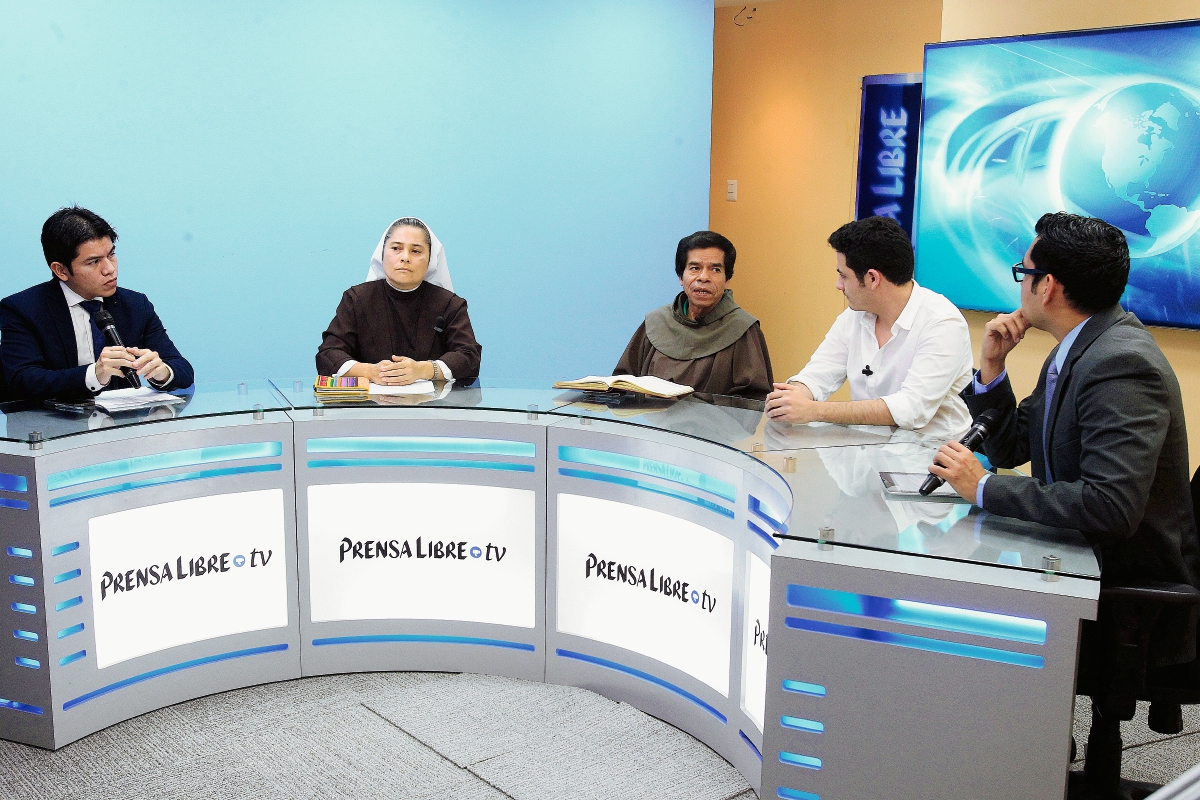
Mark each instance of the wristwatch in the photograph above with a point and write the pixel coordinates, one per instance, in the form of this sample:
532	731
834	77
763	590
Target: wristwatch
437	376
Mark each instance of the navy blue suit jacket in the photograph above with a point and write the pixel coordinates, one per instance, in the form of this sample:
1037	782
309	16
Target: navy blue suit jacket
37	342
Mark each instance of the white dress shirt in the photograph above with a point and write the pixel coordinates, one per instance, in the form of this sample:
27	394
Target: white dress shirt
918	373
81	322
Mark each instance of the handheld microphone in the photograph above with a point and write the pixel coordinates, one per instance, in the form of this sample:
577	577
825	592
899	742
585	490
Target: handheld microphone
439	324
980	429
867	371
104	321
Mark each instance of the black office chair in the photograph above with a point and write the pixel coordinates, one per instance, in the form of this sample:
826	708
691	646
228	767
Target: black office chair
1130	613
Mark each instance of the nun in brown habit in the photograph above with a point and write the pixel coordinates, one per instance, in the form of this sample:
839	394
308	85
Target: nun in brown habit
704	339
405	323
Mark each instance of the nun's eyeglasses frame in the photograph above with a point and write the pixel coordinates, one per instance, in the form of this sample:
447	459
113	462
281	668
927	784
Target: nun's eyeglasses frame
1020	271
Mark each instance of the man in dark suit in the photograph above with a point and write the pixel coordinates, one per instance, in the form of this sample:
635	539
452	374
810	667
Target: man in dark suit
50	345
1104	429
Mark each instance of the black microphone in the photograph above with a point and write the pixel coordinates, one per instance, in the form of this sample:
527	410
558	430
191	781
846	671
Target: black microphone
104	321
981	428
867	371
439	324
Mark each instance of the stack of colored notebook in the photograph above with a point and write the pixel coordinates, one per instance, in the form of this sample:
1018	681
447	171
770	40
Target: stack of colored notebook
327	389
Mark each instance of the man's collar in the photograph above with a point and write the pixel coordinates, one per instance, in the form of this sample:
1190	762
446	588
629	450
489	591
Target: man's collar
905	320
73	297
1064	347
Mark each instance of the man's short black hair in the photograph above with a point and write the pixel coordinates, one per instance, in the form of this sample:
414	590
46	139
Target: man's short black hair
877	243
701	240
1089	257
68	228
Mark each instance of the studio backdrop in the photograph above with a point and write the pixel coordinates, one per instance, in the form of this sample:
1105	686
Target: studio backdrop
250	154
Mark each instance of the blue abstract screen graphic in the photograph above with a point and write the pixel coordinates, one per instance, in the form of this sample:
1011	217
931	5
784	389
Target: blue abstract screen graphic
1099	123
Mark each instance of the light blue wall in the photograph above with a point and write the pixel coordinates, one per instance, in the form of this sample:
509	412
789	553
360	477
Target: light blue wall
250	154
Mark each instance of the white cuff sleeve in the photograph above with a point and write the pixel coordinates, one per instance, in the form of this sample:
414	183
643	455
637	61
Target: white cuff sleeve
979	489
92	383
344	368
166	382
446	373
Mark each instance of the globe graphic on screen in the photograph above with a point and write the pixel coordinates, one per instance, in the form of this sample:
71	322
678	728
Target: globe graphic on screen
1133	159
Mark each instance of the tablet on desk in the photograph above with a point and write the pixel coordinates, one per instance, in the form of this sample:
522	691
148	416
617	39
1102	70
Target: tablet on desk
907	485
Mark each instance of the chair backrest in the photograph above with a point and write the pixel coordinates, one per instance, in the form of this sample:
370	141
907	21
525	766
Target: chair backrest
1196	494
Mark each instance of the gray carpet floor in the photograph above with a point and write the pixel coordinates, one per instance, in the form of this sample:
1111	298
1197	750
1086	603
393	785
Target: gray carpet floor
426	736
387	735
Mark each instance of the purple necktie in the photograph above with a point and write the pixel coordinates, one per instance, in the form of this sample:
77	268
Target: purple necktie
1051	381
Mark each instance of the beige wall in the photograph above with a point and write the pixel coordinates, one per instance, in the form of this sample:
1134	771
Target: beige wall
785	126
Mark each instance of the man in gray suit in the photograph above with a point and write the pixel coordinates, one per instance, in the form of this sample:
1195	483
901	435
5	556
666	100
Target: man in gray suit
1103	430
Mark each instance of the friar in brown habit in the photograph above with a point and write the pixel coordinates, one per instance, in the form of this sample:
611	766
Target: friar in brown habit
704	339
405	323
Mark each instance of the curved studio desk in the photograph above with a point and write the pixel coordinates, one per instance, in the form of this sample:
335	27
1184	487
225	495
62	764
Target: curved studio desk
642	551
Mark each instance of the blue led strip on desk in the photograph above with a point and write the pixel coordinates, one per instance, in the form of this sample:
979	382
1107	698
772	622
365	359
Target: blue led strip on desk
64	548
20	552
70	575
758	509
28	636
654	488
162	481
155	673
384	638
768	538
750	744
918	643
71	631
422	444
13	483
24	608
177	458
924	615
31	663
21	580
504	466
19	505
797	760
649	468
801	687
15	706
62	662
801	724
795	794
646	676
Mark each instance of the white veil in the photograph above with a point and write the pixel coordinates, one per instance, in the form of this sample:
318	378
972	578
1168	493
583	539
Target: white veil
439	271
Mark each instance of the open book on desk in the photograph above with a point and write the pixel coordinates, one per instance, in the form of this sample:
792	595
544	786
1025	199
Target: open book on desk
642	384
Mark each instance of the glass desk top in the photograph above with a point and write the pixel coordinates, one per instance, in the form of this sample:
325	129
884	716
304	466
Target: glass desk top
507	396
19	419
840	488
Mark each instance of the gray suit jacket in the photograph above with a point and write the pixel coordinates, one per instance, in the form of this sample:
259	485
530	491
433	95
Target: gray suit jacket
1118	455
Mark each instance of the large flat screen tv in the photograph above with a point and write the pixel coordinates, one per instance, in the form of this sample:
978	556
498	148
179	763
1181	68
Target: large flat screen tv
1103	123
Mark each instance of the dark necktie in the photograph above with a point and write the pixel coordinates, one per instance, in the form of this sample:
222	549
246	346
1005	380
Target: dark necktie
92	306
1051	382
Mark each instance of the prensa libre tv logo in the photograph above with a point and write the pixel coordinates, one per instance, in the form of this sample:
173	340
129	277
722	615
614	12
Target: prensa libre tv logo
113	583
395	548
658	582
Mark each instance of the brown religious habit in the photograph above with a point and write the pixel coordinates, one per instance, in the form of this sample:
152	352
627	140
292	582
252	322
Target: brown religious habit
374	322
723	352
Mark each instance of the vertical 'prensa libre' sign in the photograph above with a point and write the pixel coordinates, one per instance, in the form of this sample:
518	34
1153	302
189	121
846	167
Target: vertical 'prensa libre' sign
887	147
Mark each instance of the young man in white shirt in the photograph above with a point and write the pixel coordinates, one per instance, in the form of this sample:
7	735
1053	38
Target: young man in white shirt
905	350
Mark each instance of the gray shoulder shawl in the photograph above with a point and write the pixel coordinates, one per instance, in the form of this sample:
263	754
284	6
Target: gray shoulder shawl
675	336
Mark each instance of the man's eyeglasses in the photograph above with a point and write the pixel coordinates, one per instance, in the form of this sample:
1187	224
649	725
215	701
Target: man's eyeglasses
1020	271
